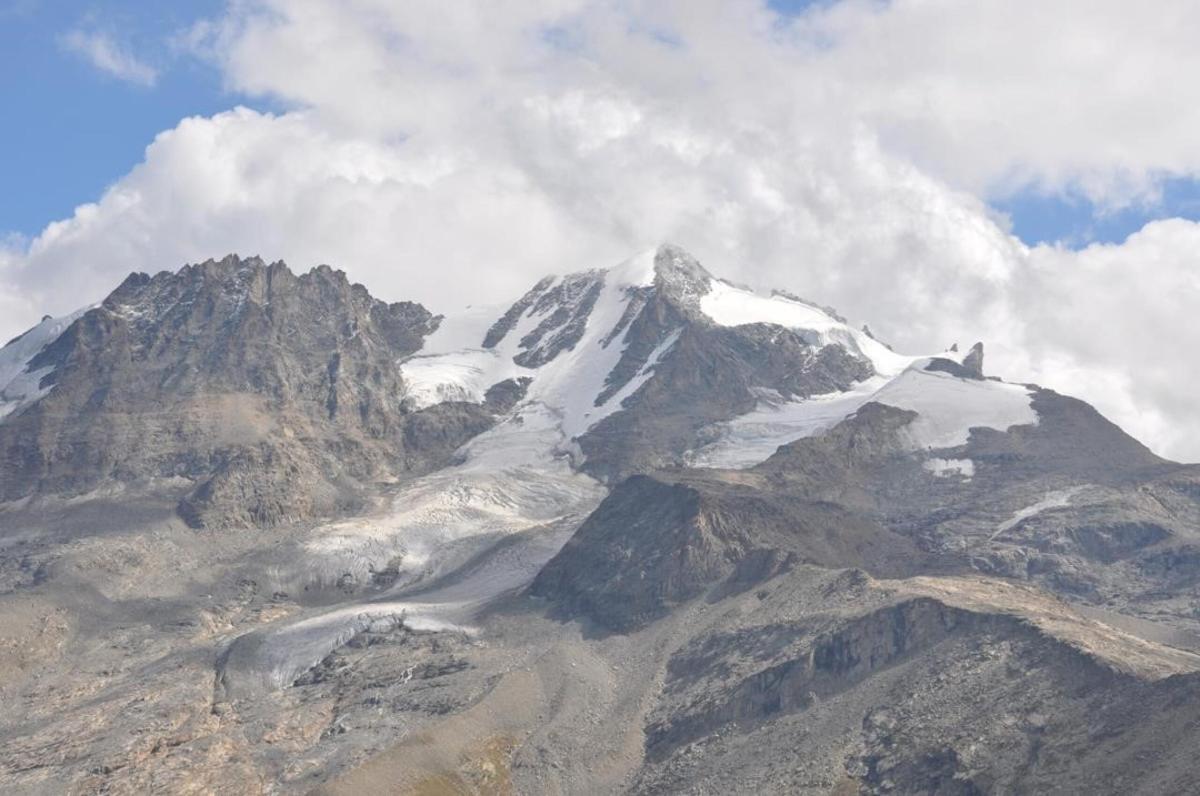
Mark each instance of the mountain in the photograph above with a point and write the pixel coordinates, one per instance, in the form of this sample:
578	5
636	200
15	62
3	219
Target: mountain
257	395
642	530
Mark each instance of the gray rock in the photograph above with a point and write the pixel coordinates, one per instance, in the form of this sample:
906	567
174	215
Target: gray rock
275	396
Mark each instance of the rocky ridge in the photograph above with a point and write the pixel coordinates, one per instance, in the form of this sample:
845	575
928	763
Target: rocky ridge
259	396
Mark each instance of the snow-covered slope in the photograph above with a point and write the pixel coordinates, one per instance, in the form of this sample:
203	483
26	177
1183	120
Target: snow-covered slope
571	333
455	364
751	438
948	407
19	386
729	305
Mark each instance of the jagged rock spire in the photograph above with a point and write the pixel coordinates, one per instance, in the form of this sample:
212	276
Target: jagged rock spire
973	361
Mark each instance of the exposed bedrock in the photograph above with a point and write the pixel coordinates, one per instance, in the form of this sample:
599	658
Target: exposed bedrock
655	543
815	667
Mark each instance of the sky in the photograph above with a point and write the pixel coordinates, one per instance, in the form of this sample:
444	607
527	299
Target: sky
1018	172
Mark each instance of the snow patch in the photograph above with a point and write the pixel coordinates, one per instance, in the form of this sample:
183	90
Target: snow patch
1052	500
948	407
949	468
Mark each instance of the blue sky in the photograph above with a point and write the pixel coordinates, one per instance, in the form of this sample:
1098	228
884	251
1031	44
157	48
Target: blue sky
1075	222
70	129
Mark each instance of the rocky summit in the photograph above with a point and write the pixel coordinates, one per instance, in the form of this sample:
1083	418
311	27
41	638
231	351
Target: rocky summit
642	530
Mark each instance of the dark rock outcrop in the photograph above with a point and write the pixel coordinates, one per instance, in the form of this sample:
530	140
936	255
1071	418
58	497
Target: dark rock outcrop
973	361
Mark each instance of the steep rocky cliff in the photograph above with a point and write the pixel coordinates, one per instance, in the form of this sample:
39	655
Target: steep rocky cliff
259	395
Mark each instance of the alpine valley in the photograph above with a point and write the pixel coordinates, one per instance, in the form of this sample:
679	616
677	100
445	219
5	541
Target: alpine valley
641	531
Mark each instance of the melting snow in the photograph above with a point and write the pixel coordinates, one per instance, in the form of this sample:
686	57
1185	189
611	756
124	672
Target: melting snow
515	483
948	468
1053	500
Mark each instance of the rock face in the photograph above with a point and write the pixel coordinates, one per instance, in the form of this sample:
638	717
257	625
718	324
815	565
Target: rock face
711	374
657	542
263	395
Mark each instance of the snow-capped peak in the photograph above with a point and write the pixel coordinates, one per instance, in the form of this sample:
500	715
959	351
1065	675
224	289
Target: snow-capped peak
586	343
559	334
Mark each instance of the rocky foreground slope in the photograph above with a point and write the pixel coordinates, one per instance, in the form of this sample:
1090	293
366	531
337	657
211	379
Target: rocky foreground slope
641	531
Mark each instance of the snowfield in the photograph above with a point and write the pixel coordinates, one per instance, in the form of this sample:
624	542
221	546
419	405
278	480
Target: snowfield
728	305
948	407
454	362
453	365
950	468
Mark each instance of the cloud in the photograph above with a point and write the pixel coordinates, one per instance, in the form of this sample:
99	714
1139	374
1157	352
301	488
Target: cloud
110	57
455	154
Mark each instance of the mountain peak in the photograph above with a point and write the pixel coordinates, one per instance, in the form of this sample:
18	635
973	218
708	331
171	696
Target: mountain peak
671	258
679	275
186	356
